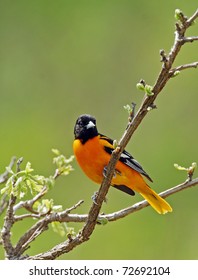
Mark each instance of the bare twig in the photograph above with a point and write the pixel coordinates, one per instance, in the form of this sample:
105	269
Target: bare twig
183	67
6	230
3	203
190	39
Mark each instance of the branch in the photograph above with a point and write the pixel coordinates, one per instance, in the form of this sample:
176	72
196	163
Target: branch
81	218
183	67
142	204
6	230
190	39
66	217
39	227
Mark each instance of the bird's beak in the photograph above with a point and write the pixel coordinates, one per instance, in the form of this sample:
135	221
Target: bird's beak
90	125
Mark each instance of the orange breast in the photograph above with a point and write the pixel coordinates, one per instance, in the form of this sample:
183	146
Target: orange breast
92	158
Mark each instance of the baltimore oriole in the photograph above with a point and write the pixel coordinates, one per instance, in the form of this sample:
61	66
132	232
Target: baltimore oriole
93	151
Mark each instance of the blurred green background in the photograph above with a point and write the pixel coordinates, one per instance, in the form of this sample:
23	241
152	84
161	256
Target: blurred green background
59	59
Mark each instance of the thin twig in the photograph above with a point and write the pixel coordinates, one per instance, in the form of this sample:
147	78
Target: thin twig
3	203
183	67
190	39
6	230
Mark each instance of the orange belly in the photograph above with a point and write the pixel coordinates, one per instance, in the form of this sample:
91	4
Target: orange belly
93	159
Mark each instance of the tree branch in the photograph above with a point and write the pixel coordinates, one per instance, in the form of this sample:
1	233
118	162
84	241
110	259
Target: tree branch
81	218
6	230
183	67
66	217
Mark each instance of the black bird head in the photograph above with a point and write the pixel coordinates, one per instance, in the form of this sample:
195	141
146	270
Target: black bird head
85	128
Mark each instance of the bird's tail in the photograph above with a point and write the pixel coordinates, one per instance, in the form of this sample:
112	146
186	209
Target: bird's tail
157	202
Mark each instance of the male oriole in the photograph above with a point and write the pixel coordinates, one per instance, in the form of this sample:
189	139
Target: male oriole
93	151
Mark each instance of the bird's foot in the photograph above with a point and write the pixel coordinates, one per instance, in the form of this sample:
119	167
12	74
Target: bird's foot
105	172
94	198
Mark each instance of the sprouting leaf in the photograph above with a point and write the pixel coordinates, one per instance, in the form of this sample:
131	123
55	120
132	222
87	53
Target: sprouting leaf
56	152
49	182
128	108
70	231
59	228
190	170
178	14
102	220
62	163
44	206
178	167
149	90
9	170
140	86
176	73
28	168
57	208
8	187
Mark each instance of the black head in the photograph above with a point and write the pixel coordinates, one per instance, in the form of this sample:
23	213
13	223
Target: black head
85	128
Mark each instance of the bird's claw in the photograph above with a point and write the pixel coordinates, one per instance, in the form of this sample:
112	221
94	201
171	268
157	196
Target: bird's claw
105	172
94	197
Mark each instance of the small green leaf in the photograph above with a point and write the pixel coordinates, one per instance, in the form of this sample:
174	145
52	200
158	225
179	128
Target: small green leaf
178	14
102	220
178	167
62	163
140	86
9	170
176	73
57	208
28	168
148	90
128	108
59	228
49	182
8	187
115	144
56	152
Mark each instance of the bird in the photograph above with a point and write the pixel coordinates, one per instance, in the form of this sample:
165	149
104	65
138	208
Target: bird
93	151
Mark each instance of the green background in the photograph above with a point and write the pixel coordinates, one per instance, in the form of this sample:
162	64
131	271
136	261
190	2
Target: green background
59	59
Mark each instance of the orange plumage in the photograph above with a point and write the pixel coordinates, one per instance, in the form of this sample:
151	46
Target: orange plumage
93	152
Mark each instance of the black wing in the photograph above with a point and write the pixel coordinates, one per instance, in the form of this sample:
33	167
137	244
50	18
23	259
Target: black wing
127	159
